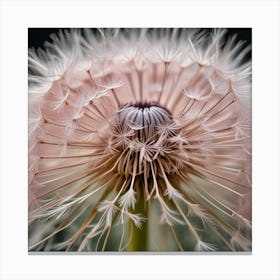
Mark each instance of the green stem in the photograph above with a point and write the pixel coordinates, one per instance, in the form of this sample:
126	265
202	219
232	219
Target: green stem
139	240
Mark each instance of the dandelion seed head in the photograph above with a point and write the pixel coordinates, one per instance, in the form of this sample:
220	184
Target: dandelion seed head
157	116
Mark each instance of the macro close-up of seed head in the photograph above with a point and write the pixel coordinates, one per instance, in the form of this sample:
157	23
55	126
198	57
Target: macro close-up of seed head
140	140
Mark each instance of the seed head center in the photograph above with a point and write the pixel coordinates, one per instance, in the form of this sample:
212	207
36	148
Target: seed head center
142	137
145	119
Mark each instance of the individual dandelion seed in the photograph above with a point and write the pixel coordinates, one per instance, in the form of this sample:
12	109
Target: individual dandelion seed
140	140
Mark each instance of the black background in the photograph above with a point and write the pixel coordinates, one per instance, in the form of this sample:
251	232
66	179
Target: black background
37	36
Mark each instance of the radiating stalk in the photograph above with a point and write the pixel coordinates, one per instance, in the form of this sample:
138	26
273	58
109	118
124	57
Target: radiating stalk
139	240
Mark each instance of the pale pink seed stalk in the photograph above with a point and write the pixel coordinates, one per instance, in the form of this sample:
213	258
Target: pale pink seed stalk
162	112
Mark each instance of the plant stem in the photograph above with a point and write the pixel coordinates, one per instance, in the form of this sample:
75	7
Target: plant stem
139	240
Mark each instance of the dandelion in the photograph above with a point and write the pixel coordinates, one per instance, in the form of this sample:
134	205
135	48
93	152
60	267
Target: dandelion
140	140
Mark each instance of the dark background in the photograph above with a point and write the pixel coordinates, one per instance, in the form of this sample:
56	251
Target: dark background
37	36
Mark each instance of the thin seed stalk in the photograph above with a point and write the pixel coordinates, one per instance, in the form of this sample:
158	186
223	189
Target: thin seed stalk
139	239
